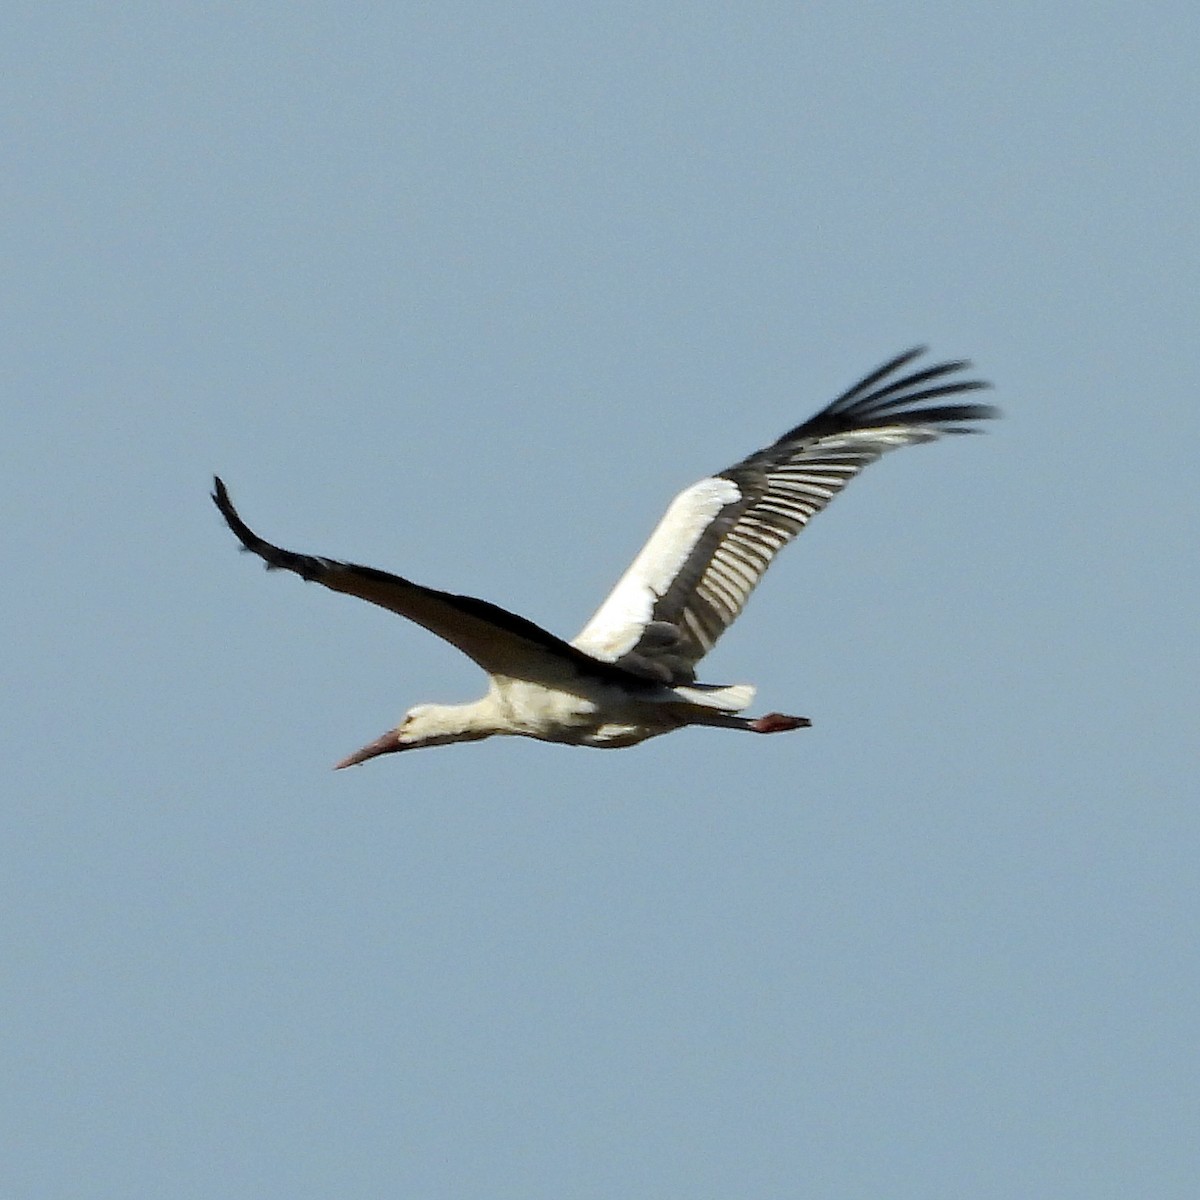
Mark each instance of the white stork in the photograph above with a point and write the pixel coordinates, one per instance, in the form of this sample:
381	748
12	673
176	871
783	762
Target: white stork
630	674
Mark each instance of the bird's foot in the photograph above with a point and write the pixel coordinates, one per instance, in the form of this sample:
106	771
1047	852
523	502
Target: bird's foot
778	723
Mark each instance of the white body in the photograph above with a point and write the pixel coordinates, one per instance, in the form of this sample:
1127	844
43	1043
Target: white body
582	712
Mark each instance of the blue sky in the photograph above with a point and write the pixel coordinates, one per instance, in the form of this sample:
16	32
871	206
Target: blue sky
469	292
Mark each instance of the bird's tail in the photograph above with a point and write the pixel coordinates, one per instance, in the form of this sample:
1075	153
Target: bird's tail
727	697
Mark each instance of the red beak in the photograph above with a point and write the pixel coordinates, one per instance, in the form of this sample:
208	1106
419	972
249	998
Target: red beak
387	744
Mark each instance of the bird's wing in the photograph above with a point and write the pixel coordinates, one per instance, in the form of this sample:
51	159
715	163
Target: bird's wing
694	575
501	642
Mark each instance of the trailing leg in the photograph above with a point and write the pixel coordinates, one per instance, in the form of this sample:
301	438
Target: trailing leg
770	723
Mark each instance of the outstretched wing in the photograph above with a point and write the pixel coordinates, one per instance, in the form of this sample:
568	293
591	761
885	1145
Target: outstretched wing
499	641
695	574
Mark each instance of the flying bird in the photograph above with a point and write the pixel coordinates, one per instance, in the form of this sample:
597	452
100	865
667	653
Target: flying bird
630	674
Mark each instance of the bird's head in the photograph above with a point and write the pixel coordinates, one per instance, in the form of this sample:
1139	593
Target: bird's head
425	725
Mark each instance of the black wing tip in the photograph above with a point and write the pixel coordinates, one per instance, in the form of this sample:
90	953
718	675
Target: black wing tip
888	396
881	372
904	358
273	557
949	417
220	497
309	567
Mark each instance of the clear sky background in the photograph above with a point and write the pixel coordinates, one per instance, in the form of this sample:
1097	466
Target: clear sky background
469	291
